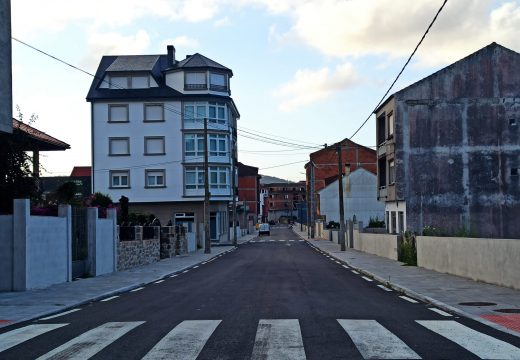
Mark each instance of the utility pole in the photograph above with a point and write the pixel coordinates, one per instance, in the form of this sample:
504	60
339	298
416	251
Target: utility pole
233	191
313	202
207	235
341	208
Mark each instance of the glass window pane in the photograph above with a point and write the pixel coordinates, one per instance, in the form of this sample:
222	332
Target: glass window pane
223	178
151	180
222	145
221	113
201	111
213	145
124	180
190	177
119	82
139	82
212	112
189	111
214	177
115	181
160	180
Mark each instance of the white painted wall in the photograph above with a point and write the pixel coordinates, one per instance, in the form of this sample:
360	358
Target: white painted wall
384	245
495	261
395	206
359	198
6	252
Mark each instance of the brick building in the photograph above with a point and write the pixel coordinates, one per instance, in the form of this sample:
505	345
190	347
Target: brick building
324	164
248	194
281	200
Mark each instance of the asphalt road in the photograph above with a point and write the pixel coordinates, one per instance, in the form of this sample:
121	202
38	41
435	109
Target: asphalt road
274	298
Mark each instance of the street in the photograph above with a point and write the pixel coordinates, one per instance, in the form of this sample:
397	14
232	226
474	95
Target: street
276	297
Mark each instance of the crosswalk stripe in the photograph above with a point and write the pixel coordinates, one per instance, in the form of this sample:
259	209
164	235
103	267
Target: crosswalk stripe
482	345
345	266
185	341
278	339
18	336
367	278
413	301
440	312
93	341
354	272
375	342
384	288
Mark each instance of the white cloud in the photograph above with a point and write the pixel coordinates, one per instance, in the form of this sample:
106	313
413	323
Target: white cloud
222	22
113	43
311	86
182	41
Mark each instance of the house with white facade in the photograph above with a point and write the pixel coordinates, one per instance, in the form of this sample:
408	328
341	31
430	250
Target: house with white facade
359	198
148	114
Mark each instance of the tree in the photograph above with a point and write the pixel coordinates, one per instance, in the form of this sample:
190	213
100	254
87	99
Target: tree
16	180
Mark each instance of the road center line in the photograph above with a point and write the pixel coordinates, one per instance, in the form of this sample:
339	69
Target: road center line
158	281
138	289
110	298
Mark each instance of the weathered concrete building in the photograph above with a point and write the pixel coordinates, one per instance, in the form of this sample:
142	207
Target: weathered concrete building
449	148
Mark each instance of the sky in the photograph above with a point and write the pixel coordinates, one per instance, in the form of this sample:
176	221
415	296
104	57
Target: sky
305	71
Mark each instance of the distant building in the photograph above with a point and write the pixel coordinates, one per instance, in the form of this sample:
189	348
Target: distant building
248	195
80	176
323	165
449	148
148	116
359	198
282	199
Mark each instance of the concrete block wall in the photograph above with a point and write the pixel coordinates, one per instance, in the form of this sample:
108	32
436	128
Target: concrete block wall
102	242
135	253
495	261
384	245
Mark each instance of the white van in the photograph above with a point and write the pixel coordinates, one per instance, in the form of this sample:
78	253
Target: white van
264	229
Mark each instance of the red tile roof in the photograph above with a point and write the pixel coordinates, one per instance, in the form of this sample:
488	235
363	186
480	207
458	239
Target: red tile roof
81	171
37	138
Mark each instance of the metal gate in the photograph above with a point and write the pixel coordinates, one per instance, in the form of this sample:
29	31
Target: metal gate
79	242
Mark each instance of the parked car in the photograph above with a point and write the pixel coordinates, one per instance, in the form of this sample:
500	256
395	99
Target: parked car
264	229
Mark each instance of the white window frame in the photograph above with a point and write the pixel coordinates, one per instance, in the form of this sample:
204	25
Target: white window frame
153	105
119	174
391	172
198	144
148	153
156	173
198	171
220	116
391	124
111	140
218	177
216	142
218	87
200	111
113	106
196	85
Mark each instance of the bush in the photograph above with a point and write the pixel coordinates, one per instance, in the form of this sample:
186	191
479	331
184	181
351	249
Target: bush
376	223
408	250
332	225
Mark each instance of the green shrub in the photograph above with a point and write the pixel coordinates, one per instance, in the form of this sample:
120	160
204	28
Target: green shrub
408	250
332	225
376	223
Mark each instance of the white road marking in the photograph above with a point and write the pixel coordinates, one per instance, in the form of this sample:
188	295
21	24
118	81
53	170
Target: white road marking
345	266
291	240
158	281
337	262
482	345
440	312
185	341
93	341
185	271
196	266
203	263
18	336
384	288
272	240
367	278
301	240
174	275
408	299
281	240
110	298
60	314
375	342
278	339
138	289
354	272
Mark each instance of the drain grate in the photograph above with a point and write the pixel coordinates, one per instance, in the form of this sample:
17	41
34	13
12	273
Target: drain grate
508	311
477	303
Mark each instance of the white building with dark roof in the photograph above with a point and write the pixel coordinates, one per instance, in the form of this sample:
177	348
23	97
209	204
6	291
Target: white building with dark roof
148	116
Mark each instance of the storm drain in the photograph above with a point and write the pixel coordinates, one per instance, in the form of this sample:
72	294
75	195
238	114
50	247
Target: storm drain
508	311
477	303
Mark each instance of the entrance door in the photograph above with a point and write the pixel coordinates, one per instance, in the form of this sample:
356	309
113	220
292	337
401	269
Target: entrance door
79	242
213	227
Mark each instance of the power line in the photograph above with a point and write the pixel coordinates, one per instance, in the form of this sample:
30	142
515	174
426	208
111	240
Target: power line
400	72
281	137
291	163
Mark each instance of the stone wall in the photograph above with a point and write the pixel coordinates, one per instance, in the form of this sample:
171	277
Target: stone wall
135	253
173	241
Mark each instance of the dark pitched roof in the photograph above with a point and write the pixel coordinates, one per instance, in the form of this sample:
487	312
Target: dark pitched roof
134	63
37	139
246	170
199	61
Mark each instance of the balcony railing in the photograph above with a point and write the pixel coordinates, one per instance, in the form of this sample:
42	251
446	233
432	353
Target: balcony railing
195	86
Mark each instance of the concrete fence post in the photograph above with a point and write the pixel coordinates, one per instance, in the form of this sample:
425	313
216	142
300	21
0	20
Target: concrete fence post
92	215
65	211
112	215
21	214
351	233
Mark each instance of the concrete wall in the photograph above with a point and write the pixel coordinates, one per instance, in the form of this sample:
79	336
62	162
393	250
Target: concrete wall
383	245
6	252
102	242
495	261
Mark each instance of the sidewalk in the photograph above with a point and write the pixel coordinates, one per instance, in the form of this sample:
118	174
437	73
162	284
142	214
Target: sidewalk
20	306
442	290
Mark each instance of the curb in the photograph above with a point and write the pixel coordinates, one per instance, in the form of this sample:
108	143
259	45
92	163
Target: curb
419	296
112	292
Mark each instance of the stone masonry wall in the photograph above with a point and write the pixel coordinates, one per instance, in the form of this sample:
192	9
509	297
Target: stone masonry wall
135	253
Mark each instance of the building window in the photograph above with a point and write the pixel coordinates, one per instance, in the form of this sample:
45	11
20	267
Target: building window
512	122
391	125
391	172
155	178
154	145
120	179
129	82
195	112
286	197
119	146
514	171
153	112
217	113
217	82
194	177
387	221
401	221
218	177
195	81
381	130
194	145
217	145
117	113
394	227
140	82
119	82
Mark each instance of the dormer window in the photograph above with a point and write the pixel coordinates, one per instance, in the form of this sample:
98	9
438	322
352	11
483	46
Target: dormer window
195	81
129	81
218	82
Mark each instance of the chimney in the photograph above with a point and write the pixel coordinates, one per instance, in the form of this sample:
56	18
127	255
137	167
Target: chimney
171	55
